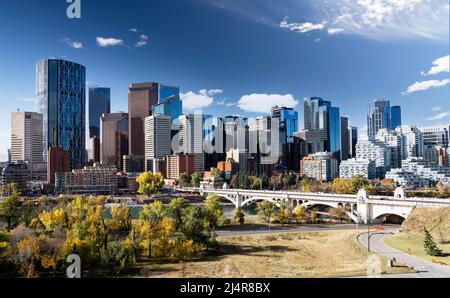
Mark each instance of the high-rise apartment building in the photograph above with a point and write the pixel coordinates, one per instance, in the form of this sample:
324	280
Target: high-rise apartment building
322	166
61	92
114	139
99	104
27	137
178	164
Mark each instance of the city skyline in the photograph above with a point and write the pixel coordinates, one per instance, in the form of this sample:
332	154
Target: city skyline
367	67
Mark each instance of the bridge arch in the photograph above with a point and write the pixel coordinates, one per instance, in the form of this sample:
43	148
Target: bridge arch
250	200
352	216
394	218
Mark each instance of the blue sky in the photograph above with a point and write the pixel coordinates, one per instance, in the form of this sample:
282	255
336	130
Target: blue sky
238	57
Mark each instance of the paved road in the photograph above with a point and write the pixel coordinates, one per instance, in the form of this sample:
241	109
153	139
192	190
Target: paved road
265	229
425	269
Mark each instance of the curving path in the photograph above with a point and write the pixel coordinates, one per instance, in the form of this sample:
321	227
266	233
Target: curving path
424	268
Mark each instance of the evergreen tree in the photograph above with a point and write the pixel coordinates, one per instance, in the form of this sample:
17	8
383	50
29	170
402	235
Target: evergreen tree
431	247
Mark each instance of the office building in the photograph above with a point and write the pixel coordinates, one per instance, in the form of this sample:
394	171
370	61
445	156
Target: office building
157	138
322	166
99	104
353	140
435	135
288	122
17	173
61	92
144	99
352	167
192	135
345	139
114	139
27	137
133	164
239	157
58	162
396	117
321	116
178	164
379	116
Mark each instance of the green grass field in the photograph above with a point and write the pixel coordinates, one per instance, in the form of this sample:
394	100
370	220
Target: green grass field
412	243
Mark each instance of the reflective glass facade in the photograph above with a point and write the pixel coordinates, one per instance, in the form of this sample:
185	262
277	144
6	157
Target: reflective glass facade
61	92
99	104
334	132
379	116
169	103
396	117
288	122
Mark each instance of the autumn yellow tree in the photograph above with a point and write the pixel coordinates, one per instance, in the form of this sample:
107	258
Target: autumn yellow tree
150	184
343	186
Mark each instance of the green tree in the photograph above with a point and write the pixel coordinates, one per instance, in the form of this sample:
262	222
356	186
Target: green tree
185	180
266	210
150	184
430	246
239	216
10	211
193	227
309	184
360	182
213	212
175	209
196	178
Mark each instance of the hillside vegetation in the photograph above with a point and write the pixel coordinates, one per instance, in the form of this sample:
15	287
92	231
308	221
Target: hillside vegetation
437	221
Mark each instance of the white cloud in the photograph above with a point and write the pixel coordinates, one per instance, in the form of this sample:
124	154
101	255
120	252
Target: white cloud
439	116
263	103
440	65
195	101
143	40
109	42
133	30
388	19
436	109
425	85
333	31
302	27
74	44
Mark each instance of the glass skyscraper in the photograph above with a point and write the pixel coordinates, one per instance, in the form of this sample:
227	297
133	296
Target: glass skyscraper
99	104
379	116
321	116
288	122
61	92
396	117
169	103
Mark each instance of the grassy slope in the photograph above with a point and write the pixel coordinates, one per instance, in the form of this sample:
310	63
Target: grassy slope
311	254
410	239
